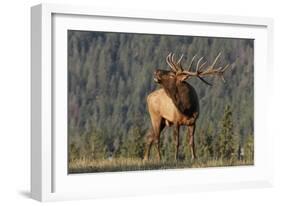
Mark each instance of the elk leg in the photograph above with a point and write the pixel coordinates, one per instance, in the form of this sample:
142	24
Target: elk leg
148	144
176	139
191	130
154	137
158	127
157	144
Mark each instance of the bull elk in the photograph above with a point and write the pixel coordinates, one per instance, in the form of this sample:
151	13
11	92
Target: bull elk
176	103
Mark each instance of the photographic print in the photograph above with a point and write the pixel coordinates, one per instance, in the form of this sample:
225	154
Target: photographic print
153	101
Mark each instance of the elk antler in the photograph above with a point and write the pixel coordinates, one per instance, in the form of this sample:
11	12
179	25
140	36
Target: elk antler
168	60
209	71
175	66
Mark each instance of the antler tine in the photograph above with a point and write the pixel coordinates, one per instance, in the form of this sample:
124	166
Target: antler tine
173	58
199	70
179	61
192	60
169	62
222	72
198	63
173	63
216	59
176	66
179	66
168	59
225	68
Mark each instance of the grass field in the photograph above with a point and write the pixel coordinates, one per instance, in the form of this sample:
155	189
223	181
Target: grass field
127	164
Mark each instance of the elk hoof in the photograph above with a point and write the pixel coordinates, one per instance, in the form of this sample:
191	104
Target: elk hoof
145	159
193	158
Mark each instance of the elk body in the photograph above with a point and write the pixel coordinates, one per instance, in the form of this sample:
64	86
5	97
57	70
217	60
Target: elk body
176	103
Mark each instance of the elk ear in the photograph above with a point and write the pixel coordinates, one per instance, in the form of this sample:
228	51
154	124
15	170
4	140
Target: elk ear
182	77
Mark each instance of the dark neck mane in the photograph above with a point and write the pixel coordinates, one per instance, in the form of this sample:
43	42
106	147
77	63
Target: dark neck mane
184	97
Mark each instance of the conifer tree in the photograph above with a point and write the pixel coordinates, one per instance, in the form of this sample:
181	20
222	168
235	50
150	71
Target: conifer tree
225	144
133	147
95	145
249	148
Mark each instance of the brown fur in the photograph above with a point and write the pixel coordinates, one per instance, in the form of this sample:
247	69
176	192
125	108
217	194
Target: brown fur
175	104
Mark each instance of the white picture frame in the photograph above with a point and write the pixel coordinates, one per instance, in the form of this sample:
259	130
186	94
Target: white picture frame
49	178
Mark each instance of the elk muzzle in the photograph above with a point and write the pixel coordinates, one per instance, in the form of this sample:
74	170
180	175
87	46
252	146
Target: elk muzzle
156	76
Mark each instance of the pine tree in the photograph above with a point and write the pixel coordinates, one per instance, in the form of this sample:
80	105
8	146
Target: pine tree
95	145
167	146
205	141
208	144
133	146
225	144
249	148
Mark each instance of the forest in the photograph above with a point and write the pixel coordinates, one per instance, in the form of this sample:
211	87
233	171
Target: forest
109	77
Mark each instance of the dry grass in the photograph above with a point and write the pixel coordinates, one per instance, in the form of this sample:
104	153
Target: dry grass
128	164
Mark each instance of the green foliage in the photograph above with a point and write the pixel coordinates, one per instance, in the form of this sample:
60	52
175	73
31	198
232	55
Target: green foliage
249	148
133	146
89	145
95	145
205	144
167	147
110	76
226	144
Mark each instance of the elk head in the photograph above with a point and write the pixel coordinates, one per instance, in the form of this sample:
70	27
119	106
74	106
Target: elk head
178	74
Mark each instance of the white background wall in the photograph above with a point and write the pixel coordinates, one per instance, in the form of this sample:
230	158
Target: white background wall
15	101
